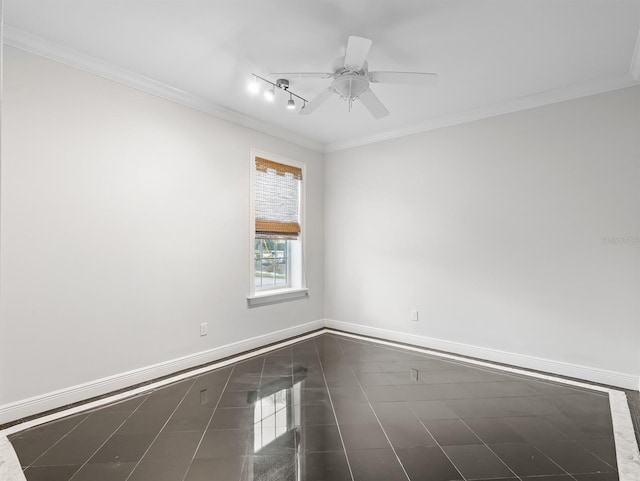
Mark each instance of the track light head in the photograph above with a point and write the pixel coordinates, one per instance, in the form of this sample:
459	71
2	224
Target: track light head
291	105
253	86
270	94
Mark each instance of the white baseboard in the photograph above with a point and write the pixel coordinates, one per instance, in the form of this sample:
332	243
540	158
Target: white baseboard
587	373
81	392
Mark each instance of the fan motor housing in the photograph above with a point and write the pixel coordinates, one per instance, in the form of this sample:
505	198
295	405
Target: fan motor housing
350	85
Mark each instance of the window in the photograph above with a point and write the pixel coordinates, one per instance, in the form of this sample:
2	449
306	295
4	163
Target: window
271	263
277	234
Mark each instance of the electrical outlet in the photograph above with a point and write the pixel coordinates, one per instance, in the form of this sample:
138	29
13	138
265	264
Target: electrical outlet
203	396
413	315
414	374
204	329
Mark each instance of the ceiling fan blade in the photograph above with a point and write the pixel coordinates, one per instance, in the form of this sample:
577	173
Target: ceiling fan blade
299	75
406	78
373	104
357	50
311	106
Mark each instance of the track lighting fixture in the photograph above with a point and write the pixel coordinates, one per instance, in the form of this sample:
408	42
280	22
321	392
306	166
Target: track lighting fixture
253	86
270	93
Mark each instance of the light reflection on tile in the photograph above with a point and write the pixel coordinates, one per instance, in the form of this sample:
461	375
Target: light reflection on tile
331	408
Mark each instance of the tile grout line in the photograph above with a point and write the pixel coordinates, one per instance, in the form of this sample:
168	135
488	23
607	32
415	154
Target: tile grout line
476	362
241	357
407	403
60	439
333	409
434	439
592	452
107	440
421	423
568	439
204	433
364	343
9	462
628	462
295	440
438	444
616	397
374	413
244	459
147	388
160	430
114	432
477	435
505	463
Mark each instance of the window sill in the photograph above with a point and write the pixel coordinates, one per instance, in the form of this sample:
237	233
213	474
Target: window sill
275	296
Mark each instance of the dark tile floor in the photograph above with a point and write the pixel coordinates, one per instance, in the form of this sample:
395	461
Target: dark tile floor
332	408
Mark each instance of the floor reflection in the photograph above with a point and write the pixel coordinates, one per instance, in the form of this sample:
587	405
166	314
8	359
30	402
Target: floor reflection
277	429
334	409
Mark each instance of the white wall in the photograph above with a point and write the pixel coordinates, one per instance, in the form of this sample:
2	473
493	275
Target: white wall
494	231
124	220
125	224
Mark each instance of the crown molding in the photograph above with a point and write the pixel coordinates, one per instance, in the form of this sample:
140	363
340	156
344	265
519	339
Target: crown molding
523	103
31	43
37	45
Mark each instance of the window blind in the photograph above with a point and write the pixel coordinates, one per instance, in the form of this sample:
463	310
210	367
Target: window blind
277	200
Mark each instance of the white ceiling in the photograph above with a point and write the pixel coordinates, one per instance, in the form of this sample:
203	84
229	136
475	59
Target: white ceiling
491	55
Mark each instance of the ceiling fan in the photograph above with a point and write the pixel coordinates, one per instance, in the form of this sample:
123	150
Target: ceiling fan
351	79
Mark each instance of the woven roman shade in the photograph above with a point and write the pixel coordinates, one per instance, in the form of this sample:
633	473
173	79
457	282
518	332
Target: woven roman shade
277	200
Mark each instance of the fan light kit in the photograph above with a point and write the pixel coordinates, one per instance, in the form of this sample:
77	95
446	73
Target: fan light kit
351	79
270	94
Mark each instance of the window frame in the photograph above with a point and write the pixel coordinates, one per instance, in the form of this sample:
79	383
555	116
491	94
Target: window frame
298	283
